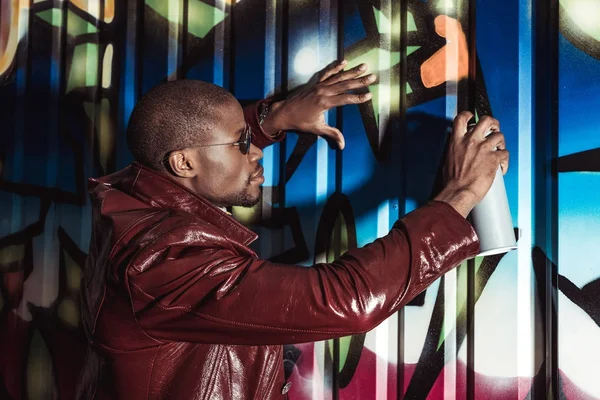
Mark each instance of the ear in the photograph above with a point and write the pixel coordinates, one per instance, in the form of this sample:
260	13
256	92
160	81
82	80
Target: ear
183	163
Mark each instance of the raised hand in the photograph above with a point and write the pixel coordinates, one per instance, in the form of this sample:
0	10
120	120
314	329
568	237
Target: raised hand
304	109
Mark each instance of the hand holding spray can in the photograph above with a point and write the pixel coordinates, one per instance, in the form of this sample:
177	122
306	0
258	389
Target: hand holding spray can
491	218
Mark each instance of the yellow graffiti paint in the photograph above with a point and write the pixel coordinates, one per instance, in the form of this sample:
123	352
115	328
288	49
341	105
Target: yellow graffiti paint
92	7
248	215
84	68
17	12
107	66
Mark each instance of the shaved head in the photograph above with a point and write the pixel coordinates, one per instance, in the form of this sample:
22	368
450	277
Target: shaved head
172	116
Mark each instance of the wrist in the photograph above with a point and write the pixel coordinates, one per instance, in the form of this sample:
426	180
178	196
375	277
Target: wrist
462	200
272	124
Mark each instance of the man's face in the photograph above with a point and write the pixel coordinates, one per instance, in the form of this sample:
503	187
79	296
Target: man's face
226	177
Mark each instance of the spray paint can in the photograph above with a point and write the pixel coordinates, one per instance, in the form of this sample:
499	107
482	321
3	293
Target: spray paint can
491	218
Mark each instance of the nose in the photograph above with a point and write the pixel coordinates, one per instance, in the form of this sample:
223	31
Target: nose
255	153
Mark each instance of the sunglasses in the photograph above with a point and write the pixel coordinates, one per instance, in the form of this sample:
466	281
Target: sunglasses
244	143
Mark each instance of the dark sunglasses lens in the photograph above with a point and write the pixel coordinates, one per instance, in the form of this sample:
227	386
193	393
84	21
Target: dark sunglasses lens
245	145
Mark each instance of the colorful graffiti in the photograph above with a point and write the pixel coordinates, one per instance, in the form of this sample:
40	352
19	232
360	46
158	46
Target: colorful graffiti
71	71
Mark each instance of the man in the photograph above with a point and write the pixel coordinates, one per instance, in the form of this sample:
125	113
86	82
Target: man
175	304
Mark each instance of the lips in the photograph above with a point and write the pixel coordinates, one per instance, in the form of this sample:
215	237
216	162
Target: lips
258	175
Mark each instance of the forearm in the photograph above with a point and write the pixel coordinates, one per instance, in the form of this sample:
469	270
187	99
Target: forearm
460	199
273	125
259	302
267	133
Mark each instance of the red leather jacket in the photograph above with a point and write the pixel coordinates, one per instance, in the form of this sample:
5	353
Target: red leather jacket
176	306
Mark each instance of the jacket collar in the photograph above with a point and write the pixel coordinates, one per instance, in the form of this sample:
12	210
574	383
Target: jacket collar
159	190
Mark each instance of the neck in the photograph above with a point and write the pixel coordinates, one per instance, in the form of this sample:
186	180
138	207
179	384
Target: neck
188	184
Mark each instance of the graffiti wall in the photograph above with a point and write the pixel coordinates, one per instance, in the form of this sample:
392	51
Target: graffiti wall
524	325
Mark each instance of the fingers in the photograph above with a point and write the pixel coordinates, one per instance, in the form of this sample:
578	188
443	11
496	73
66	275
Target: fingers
350	84
345	75
503	159
460	123
332	69
495	141
332	92
333	135
504	166
347	98
485	125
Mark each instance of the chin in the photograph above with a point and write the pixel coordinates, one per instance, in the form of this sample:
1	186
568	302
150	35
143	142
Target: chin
248	198
250	202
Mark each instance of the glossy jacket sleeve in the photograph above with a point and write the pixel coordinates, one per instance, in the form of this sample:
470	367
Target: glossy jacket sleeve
259	138
213	295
